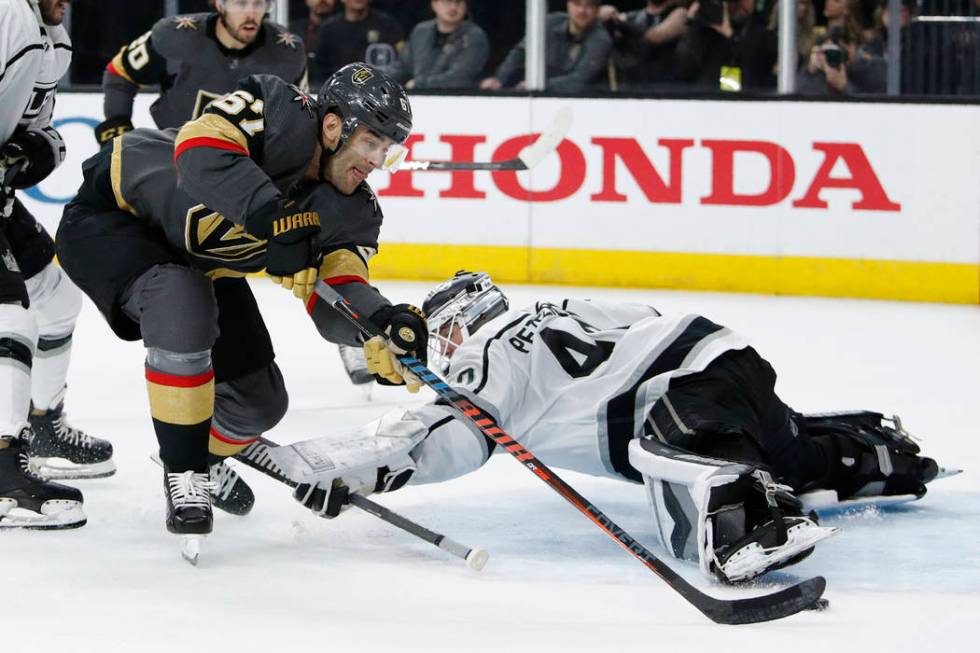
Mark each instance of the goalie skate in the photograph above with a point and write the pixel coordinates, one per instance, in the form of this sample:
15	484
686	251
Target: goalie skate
61	451
825	502
30	502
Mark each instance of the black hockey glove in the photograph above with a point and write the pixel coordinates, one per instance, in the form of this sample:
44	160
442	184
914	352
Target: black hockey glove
291	259
109	128
407	334
34	151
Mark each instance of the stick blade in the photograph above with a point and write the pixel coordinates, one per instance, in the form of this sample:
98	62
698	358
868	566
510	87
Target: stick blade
786	602
549	139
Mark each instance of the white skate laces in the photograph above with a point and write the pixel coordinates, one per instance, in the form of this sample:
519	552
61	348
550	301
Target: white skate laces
223	479
189	489
69	434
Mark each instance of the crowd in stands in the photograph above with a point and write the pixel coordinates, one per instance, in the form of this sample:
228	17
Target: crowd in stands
626	46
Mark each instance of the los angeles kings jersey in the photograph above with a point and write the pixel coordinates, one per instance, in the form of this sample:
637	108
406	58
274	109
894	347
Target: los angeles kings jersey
33	57
183	55
572	381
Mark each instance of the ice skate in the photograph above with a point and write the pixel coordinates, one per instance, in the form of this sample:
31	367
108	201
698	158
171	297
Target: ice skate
30	501
61	451
356	368
188	509
231	493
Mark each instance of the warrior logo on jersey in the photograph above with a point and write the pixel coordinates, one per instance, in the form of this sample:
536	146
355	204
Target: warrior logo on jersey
306	102
287	39
361	76
209	235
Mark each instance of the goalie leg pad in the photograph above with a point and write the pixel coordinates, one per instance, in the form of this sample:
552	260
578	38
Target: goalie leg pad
869	455
733	519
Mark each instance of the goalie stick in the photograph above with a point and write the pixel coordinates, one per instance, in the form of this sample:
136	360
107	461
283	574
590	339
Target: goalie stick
256	456
788	601
529	157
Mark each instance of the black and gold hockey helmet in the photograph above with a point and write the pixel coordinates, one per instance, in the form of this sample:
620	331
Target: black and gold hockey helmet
363	95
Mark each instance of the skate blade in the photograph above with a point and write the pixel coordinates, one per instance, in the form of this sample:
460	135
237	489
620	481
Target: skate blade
946	472
190	548
60	469
55	515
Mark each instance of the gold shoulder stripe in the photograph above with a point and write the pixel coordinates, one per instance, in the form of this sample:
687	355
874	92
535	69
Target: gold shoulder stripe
117	66
211	125
115	175
343	263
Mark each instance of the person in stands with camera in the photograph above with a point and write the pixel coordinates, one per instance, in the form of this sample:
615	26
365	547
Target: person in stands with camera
838	66
728	47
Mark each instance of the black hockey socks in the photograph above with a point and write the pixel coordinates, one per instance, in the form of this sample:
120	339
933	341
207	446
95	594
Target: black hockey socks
181	404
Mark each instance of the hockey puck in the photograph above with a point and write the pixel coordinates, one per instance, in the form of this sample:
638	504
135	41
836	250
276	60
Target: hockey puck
476	559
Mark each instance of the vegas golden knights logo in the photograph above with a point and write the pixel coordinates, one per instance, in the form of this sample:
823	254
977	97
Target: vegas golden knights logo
361	76
209	235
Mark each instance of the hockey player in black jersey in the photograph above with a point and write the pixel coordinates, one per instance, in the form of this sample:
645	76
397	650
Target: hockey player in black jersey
676	402
196	58
38	304
269	178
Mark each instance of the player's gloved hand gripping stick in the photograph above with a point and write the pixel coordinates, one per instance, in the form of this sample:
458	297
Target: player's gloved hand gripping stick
779	604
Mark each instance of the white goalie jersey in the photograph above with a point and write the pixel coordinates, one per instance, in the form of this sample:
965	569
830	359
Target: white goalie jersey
572	381
33	57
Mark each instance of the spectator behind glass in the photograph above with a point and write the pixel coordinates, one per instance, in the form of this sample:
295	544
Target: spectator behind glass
445	52
844	15
577	52
728	47
837	67
358	33
644	43
317	12
807	33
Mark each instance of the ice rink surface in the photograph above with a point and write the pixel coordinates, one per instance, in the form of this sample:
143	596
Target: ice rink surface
280	579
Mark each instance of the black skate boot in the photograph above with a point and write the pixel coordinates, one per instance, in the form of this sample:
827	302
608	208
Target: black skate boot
61	451
870	455
188	509
29	501
230	493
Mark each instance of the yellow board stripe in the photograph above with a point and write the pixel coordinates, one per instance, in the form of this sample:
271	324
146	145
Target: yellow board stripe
957	283
183	406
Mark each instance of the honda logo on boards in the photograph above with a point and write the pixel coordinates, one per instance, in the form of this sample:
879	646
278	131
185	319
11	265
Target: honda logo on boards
843	166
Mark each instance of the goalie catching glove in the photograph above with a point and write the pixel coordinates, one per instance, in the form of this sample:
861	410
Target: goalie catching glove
291	259
407	333
373	458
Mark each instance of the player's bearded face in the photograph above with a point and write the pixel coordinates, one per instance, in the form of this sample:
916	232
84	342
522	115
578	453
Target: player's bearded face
242	18
363	153
53	11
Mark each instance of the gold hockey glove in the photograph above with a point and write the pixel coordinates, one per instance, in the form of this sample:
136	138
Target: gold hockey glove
407	334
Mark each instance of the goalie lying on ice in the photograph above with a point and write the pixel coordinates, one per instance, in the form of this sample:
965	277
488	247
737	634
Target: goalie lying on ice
676	402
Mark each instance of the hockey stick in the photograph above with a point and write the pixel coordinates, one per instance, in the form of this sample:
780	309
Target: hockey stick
529	157
780	604
256	456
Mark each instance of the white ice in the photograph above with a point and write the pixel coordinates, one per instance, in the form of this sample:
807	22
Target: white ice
280	579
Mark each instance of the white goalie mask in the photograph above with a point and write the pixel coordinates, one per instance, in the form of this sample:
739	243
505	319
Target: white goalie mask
456	309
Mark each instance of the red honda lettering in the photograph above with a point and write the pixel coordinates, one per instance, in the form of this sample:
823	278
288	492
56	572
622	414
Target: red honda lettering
782	173
569	181
642	170
463	149
863	179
